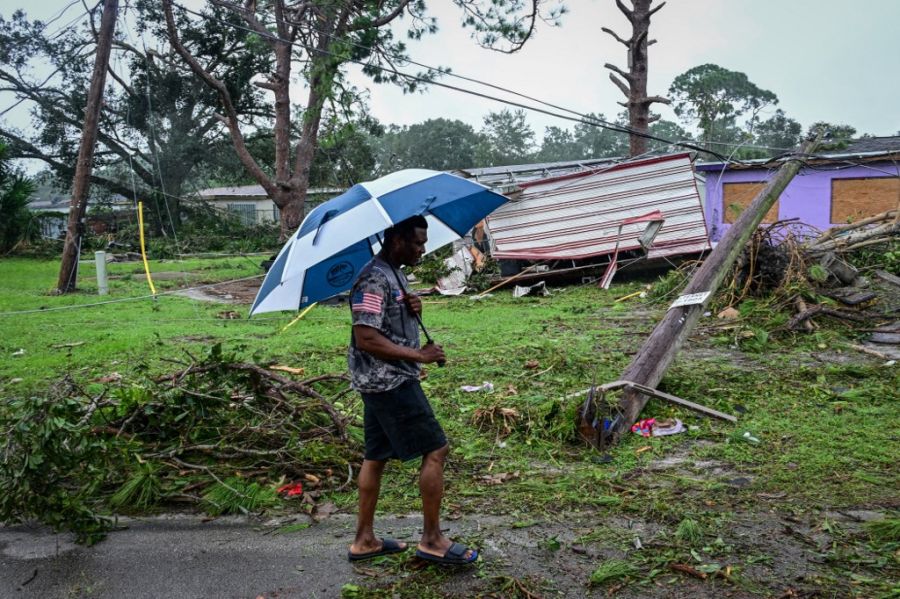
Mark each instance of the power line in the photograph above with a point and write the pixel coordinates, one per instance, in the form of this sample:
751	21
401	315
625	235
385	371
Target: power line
582	118
60	13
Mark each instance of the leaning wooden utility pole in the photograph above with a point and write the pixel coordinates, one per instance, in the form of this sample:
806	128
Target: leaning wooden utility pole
68	269
650	364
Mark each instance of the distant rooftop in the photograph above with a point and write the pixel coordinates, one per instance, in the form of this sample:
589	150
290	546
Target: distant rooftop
500	176
866	145
864	148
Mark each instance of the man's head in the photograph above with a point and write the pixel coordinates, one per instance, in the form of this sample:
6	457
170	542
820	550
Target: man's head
404	243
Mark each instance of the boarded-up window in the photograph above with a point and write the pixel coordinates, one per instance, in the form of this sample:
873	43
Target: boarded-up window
737	196
854	199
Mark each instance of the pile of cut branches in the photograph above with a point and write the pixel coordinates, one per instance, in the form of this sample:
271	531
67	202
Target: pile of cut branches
219	433
790	275
876	230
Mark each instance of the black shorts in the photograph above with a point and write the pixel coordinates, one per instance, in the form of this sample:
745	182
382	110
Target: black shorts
400	424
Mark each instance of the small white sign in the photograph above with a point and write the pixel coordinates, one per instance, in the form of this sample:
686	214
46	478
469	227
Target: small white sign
690	299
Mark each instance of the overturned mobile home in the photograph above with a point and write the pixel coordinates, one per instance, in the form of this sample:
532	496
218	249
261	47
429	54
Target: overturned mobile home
597	211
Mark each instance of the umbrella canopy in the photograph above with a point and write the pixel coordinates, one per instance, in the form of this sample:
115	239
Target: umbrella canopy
341	235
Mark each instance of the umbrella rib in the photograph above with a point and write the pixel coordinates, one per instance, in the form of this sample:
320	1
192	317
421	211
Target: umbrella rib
383	212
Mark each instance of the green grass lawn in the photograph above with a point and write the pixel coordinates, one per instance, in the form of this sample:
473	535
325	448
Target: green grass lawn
827	427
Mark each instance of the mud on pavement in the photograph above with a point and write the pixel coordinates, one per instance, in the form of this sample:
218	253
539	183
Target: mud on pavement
773	553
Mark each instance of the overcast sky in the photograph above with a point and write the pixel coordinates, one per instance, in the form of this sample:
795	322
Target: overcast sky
832	60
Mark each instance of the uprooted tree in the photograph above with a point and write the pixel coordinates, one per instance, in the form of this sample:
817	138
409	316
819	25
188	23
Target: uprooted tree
638	103
323	38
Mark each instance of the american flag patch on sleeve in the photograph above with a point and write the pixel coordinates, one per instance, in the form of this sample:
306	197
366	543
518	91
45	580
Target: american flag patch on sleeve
366	302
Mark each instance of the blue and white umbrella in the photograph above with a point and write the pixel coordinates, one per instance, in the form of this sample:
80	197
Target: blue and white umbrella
341	235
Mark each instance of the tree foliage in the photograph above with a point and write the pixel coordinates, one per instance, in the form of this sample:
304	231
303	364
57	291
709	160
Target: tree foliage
714	98
670	130
600	142
779	133
315	41
834	136
506	138
16	222
439	144
158	121
558	145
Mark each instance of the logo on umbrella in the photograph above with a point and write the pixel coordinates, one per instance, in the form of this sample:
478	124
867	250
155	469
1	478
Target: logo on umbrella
340	274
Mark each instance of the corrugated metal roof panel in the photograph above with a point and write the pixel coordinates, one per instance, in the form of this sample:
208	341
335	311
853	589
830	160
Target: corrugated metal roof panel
578	216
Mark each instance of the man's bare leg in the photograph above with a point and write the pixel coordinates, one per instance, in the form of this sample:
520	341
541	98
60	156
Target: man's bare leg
431	486
369	486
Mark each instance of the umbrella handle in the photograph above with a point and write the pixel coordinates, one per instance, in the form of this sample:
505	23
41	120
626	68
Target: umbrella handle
428	338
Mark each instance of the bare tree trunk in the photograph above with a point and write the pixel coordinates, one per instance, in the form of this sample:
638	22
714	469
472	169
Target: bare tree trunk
306	147
69	265
650	364
638	103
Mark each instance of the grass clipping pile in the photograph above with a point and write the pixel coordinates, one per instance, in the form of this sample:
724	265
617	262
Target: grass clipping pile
218	433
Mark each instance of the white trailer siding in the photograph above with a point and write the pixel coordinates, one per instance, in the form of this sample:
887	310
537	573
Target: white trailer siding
578	216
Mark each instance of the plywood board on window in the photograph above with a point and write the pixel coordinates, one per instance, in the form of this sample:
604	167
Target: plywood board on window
737	196
855	199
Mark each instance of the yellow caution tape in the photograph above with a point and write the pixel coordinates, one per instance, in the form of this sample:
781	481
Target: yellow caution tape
299	316
143	249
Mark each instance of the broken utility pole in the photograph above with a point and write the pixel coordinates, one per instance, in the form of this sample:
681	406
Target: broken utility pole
68	269
650	364
639	102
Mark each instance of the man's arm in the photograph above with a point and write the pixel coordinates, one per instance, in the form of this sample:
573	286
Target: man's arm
370	340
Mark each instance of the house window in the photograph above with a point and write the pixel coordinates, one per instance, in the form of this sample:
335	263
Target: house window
737	196
245	212
855	199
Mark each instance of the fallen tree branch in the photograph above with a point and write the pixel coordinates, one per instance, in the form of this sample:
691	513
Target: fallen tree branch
826	311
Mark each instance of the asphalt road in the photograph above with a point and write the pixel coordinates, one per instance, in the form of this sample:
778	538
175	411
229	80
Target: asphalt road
185	557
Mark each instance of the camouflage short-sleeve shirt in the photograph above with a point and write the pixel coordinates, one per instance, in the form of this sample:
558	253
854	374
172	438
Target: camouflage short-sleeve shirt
377	301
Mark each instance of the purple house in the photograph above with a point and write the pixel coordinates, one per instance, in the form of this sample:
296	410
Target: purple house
836	187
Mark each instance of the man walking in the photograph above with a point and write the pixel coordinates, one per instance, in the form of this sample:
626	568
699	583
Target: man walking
384	358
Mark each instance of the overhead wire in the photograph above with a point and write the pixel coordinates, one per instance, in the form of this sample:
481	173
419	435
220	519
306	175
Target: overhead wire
56	34
582	118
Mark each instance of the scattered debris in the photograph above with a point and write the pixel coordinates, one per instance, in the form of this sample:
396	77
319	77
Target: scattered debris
486	386
112	377
749	437
67	345
539	288
668	426
288	369
291	490
18	353
886	276
460	266
220	434
597	418
501	417
689	570
863	233
499	478
641	294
